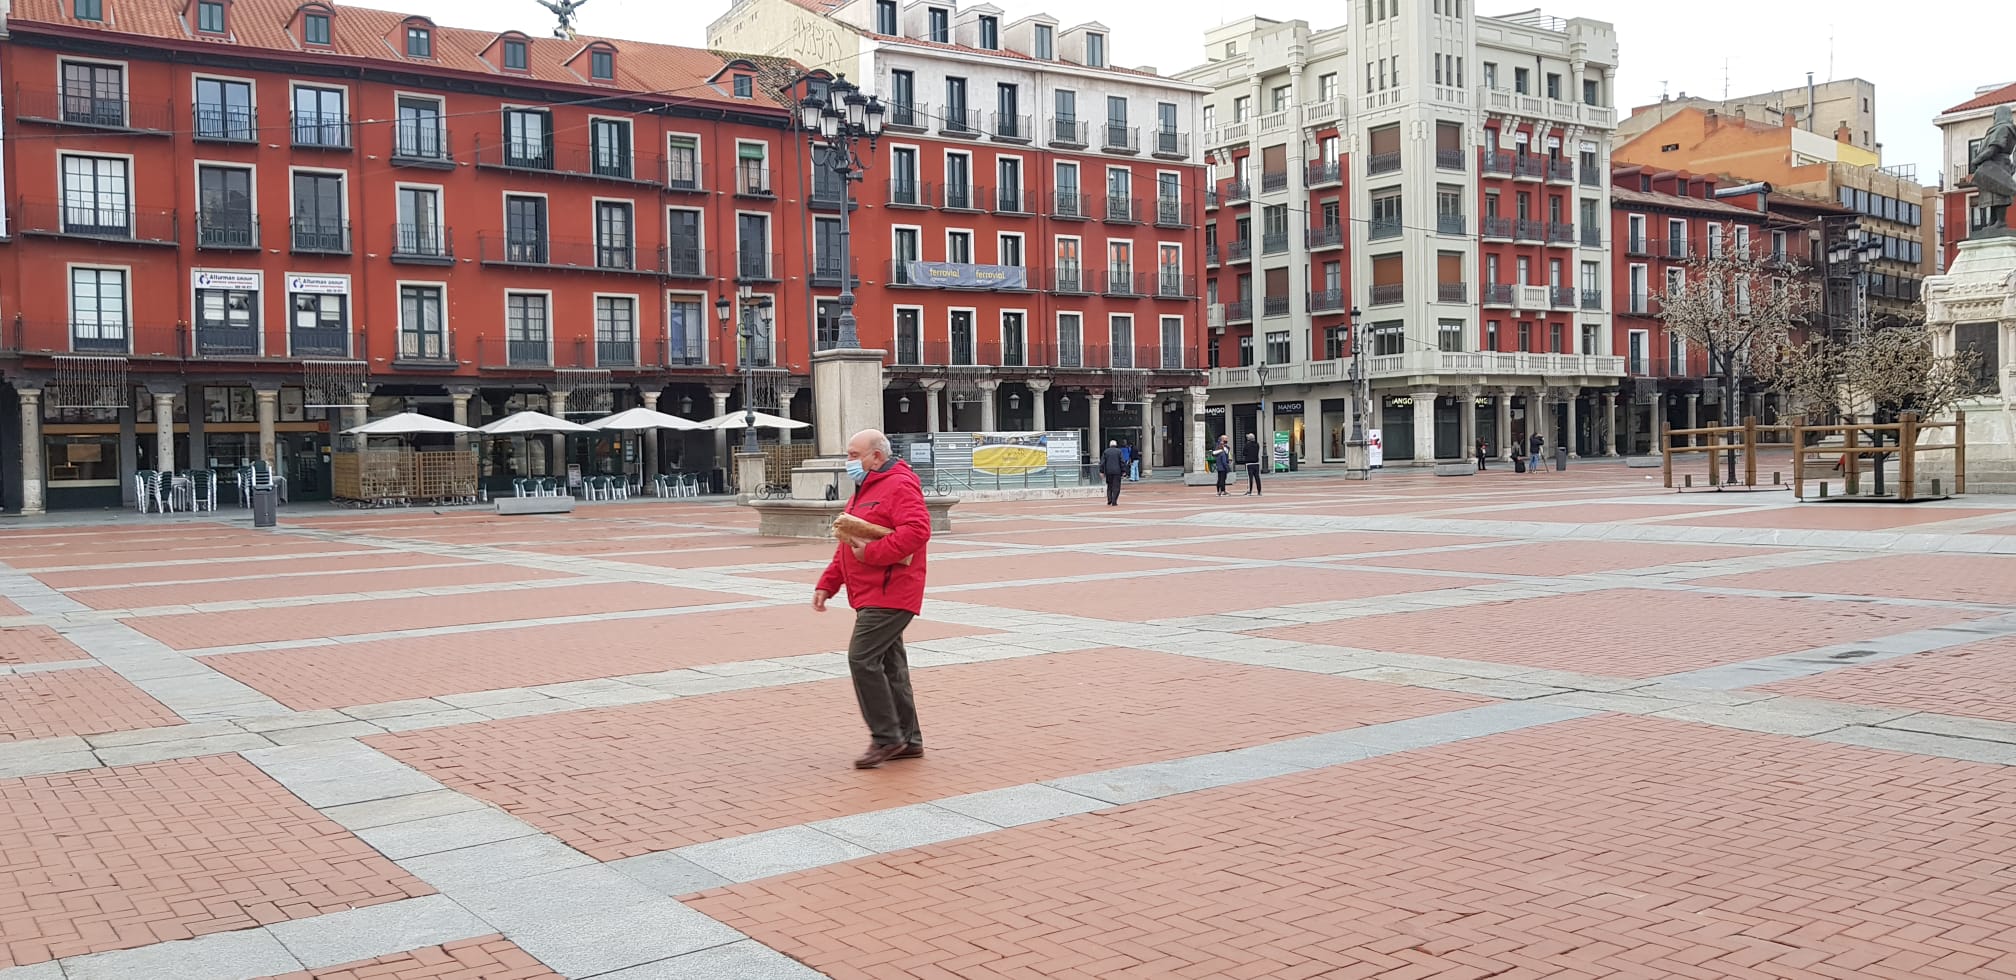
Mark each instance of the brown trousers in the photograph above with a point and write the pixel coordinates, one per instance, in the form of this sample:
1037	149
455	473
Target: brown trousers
881	670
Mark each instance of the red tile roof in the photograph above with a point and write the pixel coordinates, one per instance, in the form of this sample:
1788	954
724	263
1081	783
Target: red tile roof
1627	196
2006	93
378	35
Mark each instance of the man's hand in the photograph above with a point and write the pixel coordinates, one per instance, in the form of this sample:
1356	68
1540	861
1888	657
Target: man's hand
860	550
819	597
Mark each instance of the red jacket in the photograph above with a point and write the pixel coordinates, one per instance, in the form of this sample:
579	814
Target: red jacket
893	498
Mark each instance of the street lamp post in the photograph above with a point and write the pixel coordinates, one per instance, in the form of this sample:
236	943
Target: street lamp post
1358	456
837	124
752	307
1856	250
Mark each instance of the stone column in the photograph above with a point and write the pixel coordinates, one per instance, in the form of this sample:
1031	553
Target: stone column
32	500
650	437
1504	445
720	435
1631	423
990	396
1039	391
164	431
360	409
1198	451
268	406
460	396
1693	415
198	455
1610	420
1092	403
784	395
1574	443
1543	418
933	391
1467	424
1424	426
556	406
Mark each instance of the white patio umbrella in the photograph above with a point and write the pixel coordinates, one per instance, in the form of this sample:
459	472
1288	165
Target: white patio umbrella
530	423
764	420
408	424
644	419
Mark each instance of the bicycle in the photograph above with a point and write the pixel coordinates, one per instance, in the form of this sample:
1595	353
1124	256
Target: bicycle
773	491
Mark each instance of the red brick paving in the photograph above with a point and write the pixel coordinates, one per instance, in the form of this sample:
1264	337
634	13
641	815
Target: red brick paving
1834	517
86	701
710	555
420	667
134	855
1554	558
1298	546
667	774
9	608
1206	593
1057	532
1580	513
1622	632
1011	568
1974	680
36	645
295	586
1611	846
80	556
191	632
1950	578
482	958
192	572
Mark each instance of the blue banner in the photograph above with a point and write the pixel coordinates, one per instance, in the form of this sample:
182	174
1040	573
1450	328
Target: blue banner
959	275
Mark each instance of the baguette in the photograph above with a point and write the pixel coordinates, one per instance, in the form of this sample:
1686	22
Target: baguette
853	530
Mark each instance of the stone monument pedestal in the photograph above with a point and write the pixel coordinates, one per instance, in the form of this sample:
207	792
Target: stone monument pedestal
1357	460
1973	307
846	398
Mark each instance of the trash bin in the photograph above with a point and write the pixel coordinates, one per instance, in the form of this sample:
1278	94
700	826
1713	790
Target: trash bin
264	503
1560	457
1519	463
717	480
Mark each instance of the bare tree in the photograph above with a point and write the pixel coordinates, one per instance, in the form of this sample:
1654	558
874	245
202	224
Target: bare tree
1886	373
1742	306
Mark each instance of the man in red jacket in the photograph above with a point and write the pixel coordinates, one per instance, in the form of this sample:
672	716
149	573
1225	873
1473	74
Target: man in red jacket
886	593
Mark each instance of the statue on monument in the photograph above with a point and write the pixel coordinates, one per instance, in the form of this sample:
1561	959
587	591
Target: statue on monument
1995	175
563	9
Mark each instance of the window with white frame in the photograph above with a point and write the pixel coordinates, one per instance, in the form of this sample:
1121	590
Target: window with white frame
1120	337
615	331
1070	340
1449	335
1172	346
98	310
525	328
423	332
97	196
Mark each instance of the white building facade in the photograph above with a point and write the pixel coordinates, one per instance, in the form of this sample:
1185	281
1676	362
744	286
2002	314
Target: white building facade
1446	177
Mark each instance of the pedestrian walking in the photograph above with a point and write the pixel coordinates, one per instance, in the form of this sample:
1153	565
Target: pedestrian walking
1483	453
884	580
1112	466
1127	461
1537	443
1250	455
1221	462
1133	465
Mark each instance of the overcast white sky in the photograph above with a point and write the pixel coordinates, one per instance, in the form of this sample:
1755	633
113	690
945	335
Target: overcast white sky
1920	64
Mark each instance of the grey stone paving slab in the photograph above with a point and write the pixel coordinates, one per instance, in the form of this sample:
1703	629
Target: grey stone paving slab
588	921
1633	703
484	699
669	873
50	970
362	787
292	720
745	960
377	930
524	709
1496	687
771	852
477	865
324	733
432	719
1315	751
1924	743
399	809
49	763
1983	729
907	826
1015	806
241	955
432	835
1785	716
125	755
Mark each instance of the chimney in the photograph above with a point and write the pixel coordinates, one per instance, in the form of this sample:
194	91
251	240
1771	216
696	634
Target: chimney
1842	134
1710	120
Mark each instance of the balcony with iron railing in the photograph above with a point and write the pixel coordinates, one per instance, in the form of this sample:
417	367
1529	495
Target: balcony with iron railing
1274	306
1497	294
1167	284
1498	163
1562	297
1167	144
1451	224
321	131
421	143
758	267
959	122
1592	177
1211	253
1070	205
686	261
1592	236
1672	248
226	339
1382	163
1323	237
587	160
1011	128
1638	304
90	110
909	192
1070	280
138	226
1273	242
826	196
1172	213
1272	181
1120	209
1239	311
1011	201
682	174
1449	160
422	244
913	117
1592	299
1325	173
1495	227
313	237
1560	171
1529	230
1326	301
318	341
962	196
1239	250
1069	134
424	349
1560	233
752	179
219	123
1638	245
1120	138
1452	292
1117	281
227	231
1528	167
1379	229
1388	294
615	352
569	254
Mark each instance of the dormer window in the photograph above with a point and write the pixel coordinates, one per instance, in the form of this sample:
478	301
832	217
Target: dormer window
210	16
745	87
1046	42
990	33
1095	50
89	9
315	29
940	21
515	57
419	42
602	65
885	17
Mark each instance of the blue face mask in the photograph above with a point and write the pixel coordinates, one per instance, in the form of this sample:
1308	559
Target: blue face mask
856	470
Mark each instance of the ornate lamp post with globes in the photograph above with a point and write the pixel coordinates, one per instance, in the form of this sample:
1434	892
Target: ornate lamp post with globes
837	124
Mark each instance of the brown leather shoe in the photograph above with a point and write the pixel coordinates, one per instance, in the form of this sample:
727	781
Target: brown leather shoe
876	755
909	751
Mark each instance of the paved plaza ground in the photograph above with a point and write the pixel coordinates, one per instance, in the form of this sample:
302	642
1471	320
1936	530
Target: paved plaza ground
1556	725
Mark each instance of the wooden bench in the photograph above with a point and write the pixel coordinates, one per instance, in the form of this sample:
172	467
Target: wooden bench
535	505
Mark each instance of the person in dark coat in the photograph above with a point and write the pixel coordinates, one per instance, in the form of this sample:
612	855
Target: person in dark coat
1250	455
1221	462
1483	453
1112	466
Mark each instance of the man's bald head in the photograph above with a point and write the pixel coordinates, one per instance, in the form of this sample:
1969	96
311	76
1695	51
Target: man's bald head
871	447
